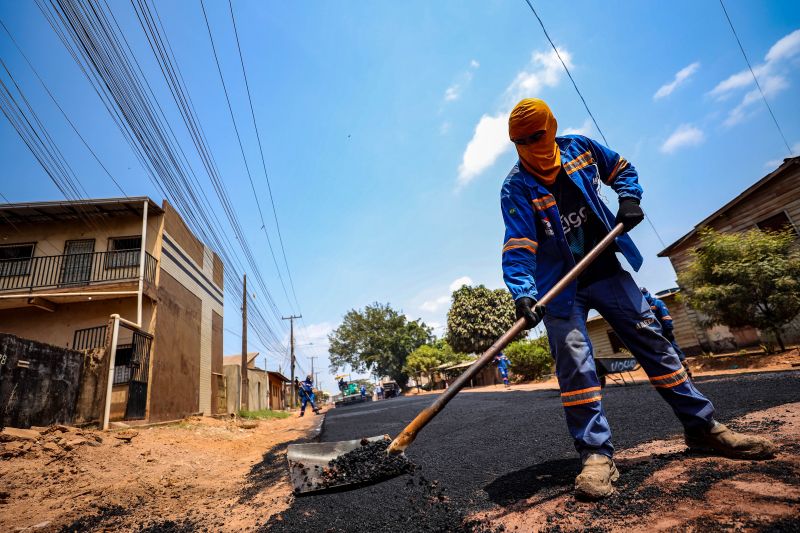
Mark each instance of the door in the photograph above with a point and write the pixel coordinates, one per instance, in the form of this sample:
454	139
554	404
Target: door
77	262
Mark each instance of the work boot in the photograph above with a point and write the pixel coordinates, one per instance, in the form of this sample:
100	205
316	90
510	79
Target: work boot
721	440
302	413
597	474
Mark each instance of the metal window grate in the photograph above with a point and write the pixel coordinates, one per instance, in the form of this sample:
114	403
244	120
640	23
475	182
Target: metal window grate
88	338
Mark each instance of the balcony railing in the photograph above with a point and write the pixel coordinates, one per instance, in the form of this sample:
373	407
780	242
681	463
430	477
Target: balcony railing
74	270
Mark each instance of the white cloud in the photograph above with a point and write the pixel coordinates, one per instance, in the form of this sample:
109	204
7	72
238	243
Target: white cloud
771	75
786	47
490	139
680	77
775	163
584	129
460	282
437	303
316	334
489	142
454	91
434	305
684	135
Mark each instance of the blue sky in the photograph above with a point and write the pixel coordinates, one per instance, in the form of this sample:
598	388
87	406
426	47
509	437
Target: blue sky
383	126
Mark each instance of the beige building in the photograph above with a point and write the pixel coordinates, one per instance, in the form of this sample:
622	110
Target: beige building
66	267
266	389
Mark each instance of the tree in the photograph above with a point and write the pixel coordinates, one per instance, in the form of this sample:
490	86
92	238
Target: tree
530	359
745	279
378	340
429	356
477	317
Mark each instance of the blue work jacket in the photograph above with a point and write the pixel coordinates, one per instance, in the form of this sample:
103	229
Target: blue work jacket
535	250
661	311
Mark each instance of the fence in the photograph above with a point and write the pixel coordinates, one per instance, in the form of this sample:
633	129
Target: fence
74	269
86	339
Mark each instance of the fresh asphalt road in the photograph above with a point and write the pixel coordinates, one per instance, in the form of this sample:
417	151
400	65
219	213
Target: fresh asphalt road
488	449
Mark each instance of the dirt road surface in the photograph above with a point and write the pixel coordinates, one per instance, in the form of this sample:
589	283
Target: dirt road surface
201	474
504	462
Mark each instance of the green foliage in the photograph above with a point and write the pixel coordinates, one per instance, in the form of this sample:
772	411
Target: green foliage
429	356
477	317
378	340
263	414
530	359
745	279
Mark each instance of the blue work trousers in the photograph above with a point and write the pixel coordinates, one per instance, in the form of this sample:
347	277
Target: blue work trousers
619	300
306	398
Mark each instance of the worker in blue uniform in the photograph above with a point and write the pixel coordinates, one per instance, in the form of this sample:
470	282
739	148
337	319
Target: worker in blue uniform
553	216
363	391
305	389
661	311
502	365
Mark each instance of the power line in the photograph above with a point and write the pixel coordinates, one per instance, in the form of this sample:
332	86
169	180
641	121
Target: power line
596	125
763	97
585	105
263	162
241	148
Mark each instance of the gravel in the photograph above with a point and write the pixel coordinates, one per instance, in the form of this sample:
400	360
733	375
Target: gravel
491	451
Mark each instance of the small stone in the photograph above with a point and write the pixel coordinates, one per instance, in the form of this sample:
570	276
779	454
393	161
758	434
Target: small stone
118	425
248	424
51	447
16	434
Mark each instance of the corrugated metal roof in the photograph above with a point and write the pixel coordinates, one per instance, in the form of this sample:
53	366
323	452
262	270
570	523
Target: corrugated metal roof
59	211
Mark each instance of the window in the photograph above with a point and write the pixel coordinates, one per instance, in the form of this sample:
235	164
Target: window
123	252
616	343
778	222
15	259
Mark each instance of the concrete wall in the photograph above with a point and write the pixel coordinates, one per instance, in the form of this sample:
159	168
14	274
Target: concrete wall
175	384
38	382
51	236
58	328
258	388
217	386
233	387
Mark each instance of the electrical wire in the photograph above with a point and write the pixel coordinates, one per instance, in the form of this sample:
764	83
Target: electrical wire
755	79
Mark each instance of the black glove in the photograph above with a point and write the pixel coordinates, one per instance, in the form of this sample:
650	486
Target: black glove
526	307
630	214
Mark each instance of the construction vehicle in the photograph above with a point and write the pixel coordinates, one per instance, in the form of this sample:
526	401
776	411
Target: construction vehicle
350	394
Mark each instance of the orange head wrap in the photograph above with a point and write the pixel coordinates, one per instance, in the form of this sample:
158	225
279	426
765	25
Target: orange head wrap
532	128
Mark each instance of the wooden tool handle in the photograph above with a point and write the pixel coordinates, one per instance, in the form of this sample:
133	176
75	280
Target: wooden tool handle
407	436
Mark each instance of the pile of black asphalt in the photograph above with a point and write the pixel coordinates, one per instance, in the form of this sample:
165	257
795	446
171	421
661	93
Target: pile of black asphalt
491	450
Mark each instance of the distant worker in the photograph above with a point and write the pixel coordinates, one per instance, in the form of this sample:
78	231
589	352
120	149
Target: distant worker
661	311
554	216
379	391
502	365
306	391
342	384
363	392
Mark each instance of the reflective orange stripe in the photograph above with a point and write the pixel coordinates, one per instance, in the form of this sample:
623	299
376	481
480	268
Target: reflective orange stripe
621	165
540	204
581	402
574	392
527	244
585	156
666	376
672	384
666	317
572	170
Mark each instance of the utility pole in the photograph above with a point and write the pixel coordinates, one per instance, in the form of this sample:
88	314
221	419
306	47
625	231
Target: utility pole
244	344
291	320
313	374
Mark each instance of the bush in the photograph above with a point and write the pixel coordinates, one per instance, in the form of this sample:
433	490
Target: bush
530	359
263	414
